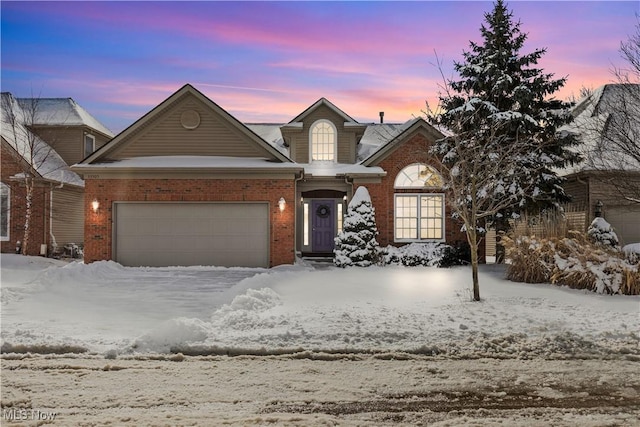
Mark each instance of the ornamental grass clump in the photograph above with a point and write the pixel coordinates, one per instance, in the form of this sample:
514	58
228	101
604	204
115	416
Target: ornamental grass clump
573	261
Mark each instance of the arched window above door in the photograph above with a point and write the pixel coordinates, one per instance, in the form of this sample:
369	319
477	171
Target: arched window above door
322	141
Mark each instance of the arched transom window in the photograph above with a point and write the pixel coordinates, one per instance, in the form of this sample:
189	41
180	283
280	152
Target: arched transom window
322	141
418	175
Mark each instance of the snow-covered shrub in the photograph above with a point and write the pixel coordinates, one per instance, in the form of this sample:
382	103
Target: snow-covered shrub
632	252
356	244
601	232
415	254
573	261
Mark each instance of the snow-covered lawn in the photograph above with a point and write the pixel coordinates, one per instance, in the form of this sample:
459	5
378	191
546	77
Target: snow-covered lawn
109	309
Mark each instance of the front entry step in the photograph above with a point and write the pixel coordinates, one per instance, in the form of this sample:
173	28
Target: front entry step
319	262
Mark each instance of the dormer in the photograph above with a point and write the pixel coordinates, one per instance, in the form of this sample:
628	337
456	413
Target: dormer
66	126
323	133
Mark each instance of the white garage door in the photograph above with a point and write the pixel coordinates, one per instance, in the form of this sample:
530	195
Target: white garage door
625	222
167	234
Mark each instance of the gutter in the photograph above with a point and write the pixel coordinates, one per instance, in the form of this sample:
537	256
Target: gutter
80	169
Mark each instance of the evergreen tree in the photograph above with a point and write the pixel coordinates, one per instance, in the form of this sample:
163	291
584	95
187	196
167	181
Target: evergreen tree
500	158
356	244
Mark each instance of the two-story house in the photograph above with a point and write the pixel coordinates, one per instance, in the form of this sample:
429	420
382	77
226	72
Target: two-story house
189	184
41	137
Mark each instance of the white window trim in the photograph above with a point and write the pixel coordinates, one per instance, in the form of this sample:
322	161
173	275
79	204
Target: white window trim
6	188
416	184
335	141
84	145
418	239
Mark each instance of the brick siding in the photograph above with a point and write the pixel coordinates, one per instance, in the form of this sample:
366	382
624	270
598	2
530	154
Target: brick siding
39	224
414	150
98	225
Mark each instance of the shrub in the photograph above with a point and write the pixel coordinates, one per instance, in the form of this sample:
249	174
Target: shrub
572	261
455	255
415	254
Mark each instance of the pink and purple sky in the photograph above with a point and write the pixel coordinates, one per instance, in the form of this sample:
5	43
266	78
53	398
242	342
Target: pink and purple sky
268	61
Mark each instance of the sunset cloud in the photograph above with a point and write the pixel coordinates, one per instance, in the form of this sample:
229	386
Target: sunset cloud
268	61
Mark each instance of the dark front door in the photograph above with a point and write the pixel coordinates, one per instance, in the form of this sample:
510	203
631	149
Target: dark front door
323	214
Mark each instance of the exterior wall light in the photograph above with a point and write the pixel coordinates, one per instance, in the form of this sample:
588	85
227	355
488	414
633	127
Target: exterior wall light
281	204
598	211
95	205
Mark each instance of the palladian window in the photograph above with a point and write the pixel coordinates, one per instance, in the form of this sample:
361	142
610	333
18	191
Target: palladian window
322	141
418	216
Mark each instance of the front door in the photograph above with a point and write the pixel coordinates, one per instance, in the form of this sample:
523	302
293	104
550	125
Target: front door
323	223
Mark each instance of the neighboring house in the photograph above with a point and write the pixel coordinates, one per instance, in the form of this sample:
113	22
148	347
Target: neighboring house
608	180
189	184
47	135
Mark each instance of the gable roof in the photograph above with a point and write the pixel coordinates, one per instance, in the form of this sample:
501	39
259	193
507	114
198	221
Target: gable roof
601	124
121	139
395	140
322	101
62	112
30	148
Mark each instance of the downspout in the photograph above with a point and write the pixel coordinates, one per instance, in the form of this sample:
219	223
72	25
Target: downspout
54	244
349	183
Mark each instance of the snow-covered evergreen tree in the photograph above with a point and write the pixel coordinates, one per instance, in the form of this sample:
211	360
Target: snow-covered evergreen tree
504	142
601	232
356	245
506	88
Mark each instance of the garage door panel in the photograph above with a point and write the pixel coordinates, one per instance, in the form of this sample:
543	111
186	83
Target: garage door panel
626	222
163	234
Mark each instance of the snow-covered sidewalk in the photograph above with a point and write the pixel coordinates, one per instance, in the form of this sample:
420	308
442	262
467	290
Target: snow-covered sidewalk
106	308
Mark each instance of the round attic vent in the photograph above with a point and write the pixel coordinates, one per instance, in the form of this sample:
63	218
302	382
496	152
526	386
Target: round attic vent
190	119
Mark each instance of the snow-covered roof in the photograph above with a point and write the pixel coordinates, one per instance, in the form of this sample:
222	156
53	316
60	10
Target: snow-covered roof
62	112
220	163
271	133
598	119
330	169
377	135
35	152
192	162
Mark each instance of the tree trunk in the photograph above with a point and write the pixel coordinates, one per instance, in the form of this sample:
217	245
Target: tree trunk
472	239
473	243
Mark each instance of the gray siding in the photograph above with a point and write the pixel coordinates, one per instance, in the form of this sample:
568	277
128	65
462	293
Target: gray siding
68	216
299	140
165	135
68	141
